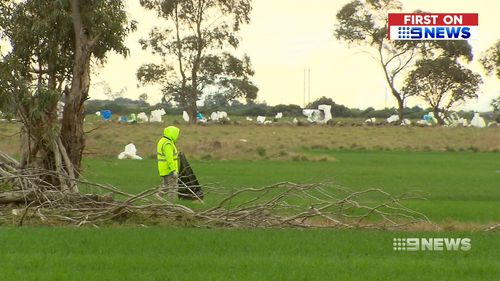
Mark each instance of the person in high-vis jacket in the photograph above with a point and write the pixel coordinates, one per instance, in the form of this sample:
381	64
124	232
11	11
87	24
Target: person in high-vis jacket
168	161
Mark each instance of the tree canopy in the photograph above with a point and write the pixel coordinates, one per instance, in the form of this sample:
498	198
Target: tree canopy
442	83
364	23
51	45
194	47
491	59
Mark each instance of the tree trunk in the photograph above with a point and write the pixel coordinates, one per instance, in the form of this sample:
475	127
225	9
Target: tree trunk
401	107
436	114
72	133
192	108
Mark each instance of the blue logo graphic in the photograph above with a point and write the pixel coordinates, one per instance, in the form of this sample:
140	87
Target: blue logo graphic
434	32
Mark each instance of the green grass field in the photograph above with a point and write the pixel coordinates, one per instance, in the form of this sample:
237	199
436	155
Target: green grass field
459	186
457	170
214	254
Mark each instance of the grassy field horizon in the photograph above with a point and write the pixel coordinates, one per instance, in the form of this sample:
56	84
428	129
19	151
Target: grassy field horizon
277	141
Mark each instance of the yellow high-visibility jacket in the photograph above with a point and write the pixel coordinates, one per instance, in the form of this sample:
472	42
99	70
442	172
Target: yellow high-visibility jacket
168	159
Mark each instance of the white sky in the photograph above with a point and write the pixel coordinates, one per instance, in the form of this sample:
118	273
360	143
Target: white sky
286	36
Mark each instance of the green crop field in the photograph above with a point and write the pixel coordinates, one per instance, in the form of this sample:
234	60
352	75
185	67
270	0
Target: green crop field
460	183
44	254
458	186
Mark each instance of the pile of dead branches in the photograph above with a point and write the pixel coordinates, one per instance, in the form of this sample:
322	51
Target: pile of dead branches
30	199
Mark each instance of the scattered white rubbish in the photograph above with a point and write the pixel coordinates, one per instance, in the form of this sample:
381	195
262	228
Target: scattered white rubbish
142	117
327	112
129	153
423	123
261	119
219	115
478	121
406	122
249	119
222	115
185	116
454	120
392	119
430	118
243	140
156	115
295	121
214	116
279	115
371	120
321	115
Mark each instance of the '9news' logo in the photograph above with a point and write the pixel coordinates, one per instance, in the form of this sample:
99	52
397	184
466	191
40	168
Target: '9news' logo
433	26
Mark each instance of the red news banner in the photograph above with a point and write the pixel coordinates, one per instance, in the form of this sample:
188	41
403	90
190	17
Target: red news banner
442	26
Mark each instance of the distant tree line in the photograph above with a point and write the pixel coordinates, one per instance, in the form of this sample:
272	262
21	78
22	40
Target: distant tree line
125	106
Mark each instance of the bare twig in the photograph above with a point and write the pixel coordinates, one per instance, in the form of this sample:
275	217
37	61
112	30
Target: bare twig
284	204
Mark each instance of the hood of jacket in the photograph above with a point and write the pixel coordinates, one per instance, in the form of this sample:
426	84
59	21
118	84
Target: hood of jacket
172	133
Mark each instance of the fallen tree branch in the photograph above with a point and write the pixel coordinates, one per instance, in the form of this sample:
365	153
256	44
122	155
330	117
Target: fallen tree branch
280	205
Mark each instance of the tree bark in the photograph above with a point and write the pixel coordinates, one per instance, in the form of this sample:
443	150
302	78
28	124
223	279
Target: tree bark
436	114
72	133
401	107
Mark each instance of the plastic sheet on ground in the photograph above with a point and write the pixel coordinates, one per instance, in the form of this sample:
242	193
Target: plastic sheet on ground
200	118
106	115
142	117
430	118
406	122
156	115
130	152
478	121
185	116
222	115
392	119
219	115
327	112
214	116
321	115
454	120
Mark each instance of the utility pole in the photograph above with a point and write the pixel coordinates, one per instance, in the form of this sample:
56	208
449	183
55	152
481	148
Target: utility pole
309	87
304	88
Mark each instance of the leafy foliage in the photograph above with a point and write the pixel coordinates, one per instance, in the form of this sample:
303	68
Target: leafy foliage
191	47
442	82
491	59
364	23
38	68
495	103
